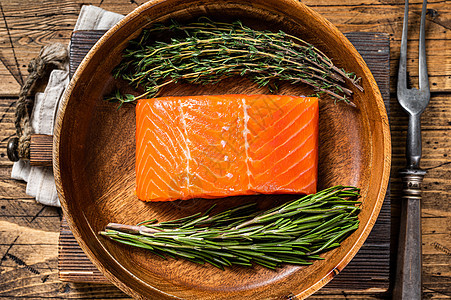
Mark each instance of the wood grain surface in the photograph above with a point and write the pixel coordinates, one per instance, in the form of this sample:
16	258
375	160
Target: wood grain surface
41	147
29	231
373	258
94	145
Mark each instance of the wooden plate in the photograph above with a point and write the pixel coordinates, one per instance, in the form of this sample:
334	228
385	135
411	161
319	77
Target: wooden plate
94	157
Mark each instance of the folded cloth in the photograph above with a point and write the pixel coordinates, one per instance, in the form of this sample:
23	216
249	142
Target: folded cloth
96	18
40	180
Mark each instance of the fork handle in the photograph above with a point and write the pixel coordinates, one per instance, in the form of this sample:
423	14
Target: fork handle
408	273
413	146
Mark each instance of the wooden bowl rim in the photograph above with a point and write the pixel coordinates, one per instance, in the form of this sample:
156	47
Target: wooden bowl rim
385	175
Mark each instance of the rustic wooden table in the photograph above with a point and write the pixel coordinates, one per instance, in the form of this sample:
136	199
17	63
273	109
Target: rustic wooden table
29	231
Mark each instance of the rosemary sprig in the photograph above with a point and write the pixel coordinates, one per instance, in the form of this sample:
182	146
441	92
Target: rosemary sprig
294	232
205	52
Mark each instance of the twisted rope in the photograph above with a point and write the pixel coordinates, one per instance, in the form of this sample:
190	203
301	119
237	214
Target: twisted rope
54	56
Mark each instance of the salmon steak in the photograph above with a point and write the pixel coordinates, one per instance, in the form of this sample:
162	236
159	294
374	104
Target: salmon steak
218	146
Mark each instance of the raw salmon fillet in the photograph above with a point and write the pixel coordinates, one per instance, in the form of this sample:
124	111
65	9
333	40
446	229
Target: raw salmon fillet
228	145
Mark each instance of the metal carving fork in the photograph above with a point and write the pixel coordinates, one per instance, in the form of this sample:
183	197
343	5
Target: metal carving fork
414	102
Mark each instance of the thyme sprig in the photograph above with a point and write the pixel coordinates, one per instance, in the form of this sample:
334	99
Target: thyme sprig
294	232
205	52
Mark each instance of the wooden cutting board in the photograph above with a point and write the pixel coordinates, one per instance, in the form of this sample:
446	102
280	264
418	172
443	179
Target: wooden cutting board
370	268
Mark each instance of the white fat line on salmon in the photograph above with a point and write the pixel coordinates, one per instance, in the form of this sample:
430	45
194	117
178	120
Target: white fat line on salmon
163	120
306	185
300	174
274	150
281	131
147	136
292	153
246	142
155	173
187	150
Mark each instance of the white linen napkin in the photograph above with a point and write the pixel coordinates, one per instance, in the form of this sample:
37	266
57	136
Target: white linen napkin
40	181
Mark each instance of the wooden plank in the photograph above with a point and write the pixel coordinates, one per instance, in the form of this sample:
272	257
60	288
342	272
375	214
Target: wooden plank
7	111
371	16
373	258
436	209
41	150
18	282
436	116
435	199
24	29
73	264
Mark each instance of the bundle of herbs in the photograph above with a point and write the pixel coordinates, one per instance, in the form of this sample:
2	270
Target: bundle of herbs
295	232
206	52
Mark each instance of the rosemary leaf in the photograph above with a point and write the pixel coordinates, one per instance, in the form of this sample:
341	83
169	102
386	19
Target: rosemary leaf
294	232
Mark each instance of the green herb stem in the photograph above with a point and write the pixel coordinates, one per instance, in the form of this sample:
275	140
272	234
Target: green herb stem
206	52
294	232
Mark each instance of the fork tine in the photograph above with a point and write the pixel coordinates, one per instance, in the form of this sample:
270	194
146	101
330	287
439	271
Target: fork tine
423	72
402	72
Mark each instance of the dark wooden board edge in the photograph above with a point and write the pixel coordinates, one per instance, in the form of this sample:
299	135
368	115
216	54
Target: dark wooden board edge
370	268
